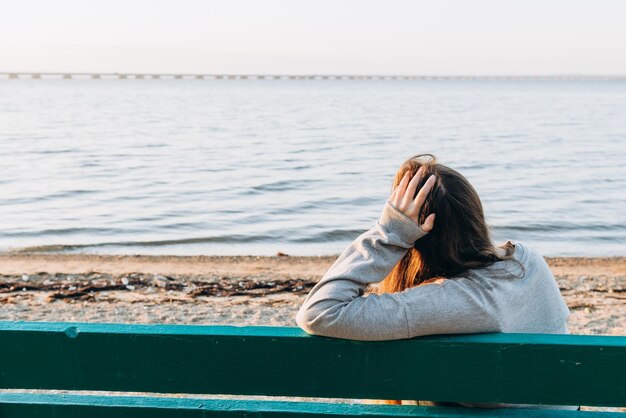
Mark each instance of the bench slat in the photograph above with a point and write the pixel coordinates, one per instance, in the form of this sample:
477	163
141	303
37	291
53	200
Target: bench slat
285	361
23	405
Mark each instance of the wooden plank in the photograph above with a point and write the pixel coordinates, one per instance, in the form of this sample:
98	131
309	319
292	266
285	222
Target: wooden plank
286	361
24	405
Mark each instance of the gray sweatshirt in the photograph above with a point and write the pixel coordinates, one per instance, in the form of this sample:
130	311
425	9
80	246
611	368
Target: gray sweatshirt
491	299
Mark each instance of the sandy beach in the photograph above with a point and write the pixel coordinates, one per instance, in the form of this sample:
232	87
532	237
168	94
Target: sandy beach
239	290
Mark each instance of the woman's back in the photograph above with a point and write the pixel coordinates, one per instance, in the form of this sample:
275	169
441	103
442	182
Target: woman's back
525	300
502	297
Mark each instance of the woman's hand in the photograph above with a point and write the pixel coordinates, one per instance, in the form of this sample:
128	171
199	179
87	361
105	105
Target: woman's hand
402	198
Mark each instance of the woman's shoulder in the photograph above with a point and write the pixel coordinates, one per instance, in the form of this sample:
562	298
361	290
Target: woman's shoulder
520	259
527	254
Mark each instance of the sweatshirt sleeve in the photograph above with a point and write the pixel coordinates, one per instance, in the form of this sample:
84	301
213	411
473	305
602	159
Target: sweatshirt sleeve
336	307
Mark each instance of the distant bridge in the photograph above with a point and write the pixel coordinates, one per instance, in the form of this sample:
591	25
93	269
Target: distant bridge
191	76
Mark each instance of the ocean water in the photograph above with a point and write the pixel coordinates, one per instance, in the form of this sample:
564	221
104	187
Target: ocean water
301	166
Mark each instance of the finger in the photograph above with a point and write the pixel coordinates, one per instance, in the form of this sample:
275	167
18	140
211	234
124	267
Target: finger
429	223
401	187
394	193
421	195
410	190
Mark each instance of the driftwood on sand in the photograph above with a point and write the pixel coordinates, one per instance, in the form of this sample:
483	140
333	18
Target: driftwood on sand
85	286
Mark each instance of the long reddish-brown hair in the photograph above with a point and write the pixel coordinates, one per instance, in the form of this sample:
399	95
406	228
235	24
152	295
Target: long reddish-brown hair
460	238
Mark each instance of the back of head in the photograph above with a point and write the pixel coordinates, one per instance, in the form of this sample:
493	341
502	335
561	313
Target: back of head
460	239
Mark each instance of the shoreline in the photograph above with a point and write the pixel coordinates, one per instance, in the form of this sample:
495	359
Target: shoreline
240	290
23	262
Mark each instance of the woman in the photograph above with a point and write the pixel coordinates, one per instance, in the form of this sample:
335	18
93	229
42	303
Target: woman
428	266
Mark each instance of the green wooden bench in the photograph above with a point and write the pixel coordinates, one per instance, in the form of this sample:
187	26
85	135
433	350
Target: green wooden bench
287	362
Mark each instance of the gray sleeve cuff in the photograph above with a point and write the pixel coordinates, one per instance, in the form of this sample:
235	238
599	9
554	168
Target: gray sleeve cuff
396	222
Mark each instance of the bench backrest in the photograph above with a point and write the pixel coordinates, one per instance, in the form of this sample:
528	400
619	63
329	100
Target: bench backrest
285	361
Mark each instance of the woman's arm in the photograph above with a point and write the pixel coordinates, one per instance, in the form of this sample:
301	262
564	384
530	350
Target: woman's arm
336	307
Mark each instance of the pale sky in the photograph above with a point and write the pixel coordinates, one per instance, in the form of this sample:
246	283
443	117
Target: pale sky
474	37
